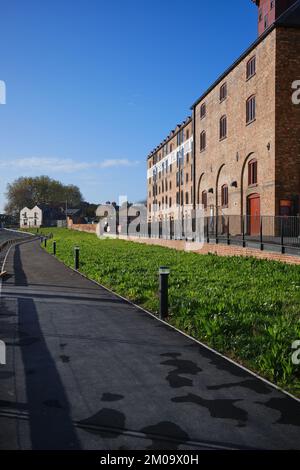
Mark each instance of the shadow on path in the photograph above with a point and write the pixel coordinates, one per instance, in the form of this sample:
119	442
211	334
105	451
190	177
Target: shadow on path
51	426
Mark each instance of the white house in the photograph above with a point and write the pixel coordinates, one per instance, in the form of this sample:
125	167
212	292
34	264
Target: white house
31	217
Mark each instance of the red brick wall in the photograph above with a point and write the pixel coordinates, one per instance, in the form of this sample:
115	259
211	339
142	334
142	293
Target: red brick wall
90	228
221	250
287	114
225	161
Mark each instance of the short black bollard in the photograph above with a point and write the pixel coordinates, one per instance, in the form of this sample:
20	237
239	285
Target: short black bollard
54	248
76	257
163	292
45	242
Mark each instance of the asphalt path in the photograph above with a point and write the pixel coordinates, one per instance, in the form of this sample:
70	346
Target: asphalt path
88	370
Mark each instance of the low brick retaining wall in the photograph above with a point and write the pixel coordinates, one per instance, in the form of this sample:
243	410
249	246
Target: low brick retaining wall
220	250
90	228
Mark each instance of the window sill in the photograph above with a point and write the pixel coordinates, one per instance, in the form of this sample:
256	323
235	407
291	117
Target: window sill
203	150
250	122
249	78
254	185
223	99
223	138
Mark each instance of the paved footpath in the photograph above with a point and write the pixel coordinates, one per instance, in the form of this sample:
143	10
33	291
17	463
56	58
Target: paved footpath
86	370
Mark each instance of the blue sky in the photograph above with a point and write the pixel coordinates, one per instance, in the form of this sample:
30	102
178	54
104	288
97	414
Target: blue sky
92	86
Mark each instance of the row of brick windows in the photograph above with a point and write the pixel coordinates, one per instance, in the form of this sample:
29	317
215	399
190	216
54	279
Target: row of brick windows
165	186
252	180
250	72
181	137
181	199
250	117
168	169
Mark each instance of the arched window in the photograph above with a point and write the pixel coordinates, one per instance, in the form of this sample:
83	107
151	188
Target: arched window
202	141
204	199
202	110
252	172
224	195
250	109
223	92
223	127
251	67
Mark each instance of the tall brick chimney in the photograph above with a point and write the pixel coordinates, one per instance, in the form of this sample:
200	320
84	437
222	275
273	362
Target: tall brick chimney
269	11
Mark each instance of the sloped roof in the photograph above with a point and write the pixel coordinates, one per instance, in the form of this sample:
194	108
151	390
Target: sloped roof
172	133
72	211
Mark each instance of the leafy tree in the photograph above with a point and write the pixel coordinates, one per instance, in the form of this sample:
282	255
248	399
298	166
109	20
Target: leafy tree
31	191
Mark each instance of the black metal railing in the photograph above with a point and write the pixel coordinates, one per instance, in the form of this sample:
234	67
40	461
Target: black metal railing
233	229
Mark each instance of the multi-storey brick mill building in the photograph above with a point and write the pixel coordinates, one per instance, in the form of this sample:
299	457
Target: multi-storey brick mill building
239	152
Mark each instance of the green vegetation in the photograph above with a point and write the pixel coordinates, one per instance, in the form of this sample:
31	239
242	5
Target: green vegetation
30	191
248	309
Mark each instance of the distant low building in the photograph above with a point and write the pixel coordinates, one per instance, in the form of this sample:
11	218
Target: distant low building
74	216
31	217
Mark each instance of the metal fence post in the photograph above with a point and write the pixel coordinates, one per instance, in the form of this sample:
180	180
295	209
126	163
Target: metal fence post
76	257
163	291
54	248
228	232
282	237
207	230
45	242
243	230
216	227
261	235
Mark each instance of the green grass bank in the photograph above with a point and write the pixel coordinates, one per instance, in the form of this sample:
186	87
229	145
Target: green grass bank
246	308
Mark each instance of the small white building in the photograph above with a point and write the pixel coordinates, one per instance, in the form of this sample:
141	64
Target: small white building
31	217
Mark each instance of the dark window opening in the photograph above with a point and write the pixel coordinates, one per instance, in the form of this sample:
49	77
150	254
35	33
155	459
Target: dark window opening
202	141
224	195
203	111
223	92
251	67
223	127
252	172
250	109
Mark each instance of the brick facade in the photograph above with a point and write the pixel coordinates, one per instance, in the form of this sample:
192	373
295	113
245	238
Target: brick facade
220	250
225	161
173	182
287	118
260	79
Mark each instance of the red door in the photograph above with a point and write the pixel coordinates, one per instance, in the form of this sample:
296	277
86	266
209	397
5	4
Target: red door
254	214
